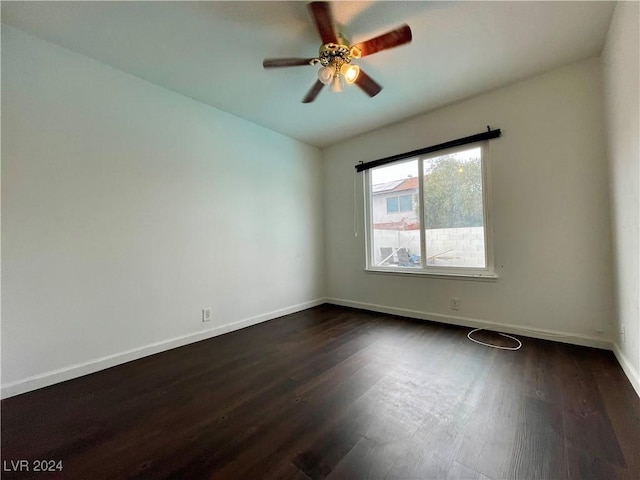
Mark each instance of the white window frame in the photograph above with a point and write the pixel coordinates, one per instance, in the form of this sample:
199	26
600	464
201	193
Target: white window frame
488	272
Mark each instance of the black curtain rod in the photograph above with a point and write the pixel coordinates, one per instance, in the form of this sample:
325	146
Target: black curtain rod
489	134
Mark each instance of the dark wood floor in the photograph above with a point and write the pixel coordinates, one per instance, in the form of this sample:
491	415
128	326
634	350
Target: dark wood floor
337	393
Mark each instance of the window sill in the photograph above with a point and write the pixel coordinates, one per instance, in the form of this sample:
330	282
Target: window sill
477	277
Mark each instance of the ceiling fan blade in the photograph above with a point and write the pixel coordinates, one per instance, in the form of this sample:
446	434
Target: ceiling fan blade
368	84
285	62
313	92
321	13
391	39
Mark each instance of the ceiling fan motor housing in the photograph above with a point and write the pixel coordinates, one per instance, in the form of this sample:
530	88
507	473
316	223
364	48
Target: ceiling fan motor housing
335	53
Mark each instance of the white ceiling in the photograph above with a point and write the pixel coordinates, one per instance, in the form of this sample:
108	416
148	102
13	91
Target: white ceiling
213	51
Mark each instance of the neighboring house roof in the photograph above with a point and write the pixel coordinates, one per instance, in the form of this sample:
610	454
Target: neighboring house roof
396	186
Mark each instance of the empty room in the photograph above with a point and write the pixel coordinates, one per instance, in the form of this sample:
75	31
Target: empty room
327	240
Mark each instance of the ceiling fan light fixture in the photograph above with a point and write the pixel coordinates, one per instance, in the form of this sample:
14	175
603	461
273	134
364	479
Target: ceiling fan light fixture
325	74
350	72
337	84
355	52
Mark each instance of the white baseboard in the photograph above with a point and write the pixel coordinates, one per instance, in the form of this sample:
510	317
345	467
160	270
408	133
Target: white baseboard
78	370
556	336
628	369
564	337
85	368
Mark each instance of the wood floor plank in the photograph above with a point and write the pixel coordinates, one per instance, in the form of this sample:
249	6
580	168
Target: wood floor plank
588	433
618	397
367	460
458	471
336	393
538	445
489	438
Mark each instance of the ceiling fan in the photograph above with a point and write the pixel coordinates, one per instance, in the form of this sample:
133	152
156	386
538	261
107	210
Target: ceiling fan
336	54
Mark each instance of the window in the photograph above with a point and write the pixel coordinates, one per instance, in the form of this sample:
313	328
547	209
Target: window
429	214
403	203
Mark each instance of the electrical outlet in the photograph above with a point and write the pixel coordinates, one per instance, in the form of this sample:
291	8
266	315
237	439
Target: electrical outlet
206	314
622	333
455	303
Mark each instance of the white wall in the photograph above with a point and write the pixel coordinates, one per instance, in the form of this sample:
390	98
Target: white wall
550	211
620	59
127	208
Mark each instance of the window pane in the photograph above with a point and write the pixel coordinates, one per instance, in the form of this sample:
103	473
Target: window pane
453	210
406	203
395	239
